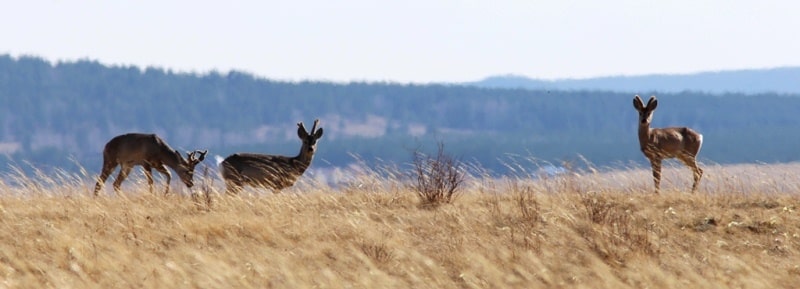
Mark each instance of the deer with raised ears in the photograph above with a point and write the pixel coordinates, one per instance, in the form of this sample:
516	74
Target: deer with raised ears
658	144
270	171
150	152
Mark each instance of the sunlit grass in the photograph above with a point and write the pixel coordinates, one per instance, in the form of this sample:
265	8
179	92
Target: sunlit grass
587	228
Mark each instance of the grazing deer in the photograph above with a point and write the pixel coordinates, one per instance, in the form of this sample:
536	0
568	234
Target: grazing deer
658	144
270	171
150	152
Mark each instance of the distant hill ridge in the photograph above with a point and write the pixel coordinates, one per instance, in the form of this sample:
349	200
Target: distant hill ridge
783	80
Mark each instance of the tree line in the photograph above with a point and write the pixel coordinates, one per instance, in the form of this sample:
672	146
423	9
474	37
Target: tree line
60	114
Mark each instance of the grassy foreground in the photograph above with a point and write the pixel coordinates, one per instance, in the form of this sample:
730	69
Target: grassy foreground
590	230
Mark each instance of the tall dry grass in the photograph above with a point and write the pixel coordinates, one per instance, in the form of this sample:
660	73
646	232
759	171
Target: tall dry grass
585	229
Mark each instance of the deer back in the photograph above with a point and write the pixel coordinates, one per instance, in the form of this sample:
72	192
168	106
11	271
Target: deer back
271	171
672	141
141	149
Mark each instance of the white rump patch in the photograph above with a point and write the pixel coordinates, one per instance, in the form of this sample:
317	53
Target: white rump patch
218	159
701	143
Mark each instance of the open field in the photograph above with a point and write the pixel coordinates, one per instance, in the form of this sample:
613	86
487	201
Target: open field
577	230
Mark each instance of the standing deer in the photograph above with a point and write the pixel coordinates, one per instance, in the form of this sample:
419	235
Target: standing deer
150	152
270	171
658	144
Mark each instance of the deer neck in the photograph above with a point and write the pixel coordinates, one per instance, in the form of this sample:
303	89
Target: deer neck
303	159
171	160
644	134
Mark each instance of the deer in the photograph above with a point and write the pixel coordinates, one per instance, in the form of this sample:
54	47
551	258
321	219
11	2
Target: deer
150	152
658	144
270	171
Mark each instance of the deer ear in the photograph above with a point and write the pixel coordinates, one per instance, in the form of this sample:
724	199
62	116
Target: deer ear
652	103
637	103
301	130
202	155
318	134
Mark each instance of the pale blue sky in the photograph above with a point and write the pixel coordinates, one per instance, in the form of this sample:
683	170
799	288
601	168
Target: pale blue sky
410	41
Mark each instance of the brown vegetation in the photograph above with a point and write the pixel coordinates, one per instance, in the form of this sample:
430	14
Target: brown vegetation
436	179
577	230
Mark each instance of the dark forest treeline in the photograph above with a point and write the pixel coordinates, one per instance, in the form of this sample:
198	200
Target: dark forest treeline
56	114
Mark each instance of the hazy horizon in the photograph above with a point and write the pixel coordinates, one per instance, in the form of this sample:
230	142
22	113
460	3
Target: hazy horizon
484	78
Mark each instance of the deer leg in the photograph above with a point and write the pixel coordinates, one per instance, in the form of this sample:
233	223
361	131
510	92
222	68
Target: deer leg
108	167
656	165
691	162
148	173
698	173
163	170
123	173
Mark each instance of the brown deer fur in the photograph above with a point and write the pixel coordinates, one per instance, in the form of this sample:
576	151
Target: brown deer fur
270	171
150	152
658	144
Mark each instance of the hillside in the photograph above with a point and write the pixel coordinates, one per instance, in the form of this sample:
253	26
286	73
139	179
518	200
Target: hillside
582	230
59	115
784	80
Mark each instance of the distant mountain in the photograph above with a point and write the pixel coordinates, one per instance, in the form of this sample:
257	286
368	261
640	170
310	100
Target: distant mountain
784	80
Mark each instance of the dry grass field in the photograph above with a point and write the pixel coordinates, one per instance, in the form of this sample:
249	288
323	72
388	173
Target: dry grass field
578	230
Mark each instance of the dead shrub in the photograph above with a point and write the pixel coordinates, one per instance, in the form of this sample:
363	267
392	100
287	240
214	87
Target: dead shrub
617	233
379	253
437	180
530	219
598	209
528	206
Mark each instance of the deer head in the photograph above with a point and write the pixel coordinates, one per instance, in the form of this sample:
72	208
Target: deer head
309	138
186	167
645	111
